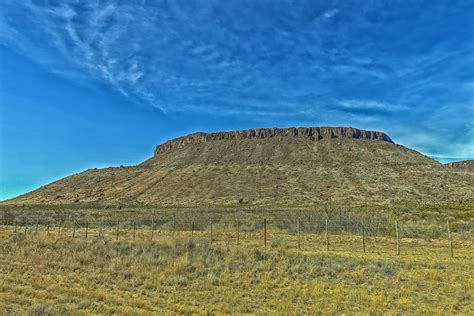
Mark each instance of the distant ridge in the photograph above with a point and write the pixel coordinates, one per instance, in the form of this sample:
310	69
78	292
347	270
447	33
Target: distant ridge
464	164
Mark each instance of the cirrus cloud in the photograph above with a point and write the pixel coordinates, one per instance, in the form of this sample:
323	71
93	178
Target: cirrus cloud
392	66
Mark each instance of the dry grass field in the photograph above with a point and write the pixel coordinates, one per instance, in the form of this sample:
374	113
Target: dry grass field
184	272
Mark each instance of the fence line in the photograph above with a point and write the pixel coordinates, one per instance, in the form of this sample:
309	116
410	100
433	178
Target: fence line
414	229
297	229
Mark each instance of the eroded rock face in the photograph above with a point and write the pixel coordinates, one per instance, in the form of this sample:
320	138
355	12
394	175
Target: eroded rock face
312	133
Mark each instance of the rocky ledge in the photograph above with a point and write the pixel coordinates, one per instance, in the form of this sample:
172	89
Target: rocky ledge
311	133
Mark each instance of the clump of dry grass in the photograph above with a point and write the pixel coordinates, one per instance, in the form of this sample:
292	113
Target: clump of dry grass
52	274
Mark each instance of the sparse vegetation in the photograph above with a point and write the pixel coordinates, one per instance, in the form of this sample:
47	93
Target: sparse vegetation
54	273
274	172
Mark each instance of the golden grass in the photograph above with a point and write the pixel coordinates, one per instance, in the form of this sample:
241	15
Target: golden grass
55	274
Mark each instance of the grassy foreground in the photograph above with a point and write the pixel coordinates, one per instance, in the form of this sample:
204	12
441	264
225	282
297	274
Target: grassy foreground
51	274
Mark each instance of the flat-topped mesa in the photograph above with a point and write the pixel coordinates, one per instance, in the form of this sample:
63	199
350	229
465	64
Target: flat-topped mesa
312	133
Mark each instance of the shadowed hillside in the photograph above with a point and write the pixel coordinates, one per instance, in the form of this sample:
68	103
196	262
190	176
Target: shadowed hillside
267	167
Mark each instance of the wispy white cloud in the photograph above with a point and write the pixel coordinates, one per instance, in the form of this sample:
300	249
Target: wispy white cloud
371	105
357	70
330	13
369	64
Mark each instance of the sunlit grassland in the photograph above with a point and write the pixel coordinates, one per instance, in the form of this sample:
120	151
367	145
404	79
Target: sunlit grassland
55	273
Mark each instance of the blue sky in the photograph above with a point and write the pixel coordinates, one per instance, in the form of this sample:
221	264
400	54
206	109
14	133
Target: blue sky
97	83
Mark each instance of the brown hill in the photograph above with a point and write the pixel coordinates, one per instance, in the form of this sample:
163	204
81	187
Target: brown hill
267	167
464	164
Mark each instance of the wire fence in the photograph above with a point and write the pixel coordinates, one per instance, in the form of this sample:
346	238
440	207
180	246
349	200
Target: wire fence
305	231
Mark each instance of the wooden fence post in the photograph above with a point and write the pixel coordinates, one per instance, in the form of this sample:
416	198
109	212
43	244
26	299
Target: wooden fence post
238	232
265	232
134	229
211	231
87	228
363	237
117	230
74	230
450	240
174	225
299	234
152	228
16	226
327	234
398	237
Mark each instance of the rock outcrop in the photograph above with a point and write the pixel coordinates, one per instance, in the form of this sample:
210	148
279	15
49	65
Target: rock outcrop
311	133
465	164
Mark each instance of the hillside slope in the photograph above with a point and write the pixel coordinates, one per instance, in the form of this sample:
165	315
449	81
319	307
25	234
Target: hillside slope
265	167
